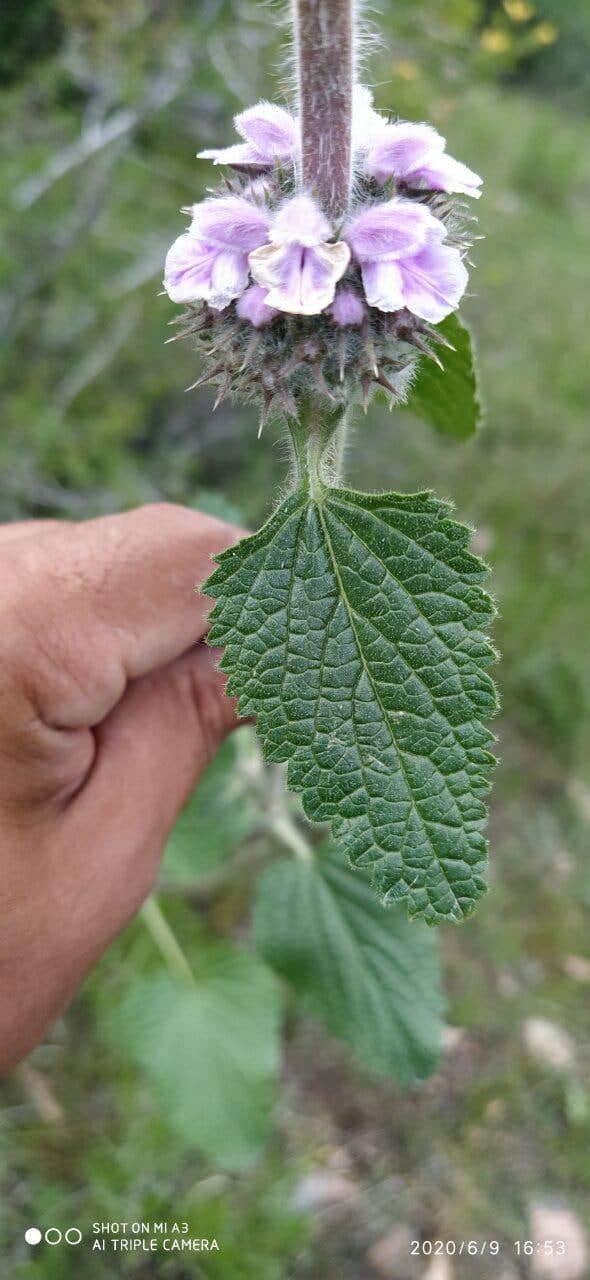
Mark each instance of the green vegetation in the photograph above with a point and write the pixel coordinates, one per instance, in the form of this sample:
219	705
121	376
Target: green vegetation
104	107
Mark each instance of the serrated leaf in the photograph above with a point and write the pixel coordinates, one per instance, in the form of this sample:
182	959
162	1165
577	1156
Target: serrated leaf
362	968
220	814
448	398
210	1049
352	630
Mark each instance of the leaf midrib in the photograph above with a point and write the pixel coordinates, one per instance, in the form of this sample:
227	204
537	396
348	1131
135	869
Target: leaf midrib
435	859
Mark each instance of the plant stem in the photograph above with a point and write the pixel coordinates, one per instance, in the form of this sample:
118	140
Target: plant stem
282	826
162	935
334	455
324	42
318	436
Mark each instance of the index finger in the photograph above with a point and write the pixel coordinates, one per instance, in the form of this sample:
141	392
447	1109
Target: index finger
103	602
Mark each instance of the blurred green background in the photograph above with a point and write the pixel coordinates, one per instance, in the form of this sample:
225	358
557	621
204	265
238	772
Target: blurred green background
103	106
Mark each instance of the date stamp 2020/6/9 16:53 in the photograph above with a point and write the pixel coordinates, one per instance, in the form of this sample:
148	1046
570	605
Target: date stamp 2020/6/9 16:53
523	1248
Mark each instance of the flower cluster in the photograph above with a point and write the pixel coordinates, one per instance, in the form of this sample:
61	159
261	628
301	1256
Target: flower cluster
260	257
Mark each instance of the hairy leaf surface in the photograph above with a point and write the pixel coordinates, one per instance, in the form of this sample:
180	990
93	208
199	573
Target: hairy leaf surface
448	398
352	627
370	975
211	1051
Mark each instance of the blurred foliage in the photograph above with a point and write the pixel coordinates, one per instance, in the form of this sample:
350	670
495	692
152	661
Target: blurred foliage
222	813
103	109
210	1045
26	34
367	973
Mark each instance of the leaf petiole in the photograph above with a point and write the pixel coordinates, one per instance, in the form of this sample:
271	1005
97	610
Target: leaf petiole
318	438
165	940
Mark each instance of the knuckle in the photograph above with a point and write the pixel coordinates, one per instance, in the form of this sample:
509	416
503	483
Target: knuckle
53	653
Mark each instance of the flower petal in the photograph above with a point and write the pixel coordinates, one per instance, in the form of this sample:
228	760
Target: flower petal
383	285
347	308
229	278
269	264
391	230
271	130
300	221
210	261
401	148
253	306
270	134
231	222
323	267
442	173
434	281
301	280
188	271
241	156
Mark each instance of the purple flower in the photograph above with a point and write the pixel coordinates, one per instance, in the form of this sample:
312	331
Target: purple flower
404	263
412	152
433	280
416	154
299	268
253	307
291	254
347	308
210	260
270	135
389	230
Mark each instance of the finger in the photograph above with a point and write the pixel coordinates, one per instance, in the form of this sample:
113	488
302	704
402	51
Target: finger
18	529
102	857
104	602
159	739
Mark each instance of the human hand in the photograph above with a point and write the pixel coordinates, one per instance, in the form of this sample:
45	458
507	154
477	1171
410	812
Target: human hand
111	706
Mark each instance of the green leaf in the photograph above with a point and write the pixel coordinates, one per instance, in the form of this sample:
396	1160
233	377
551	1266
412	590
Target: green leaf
210	1049
220	814
370	975
448	398
352	630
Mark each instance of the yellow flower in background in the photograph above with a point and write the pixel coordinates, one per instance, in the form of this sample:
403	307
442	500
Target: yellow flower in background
494	41
546	33
407	69
519	10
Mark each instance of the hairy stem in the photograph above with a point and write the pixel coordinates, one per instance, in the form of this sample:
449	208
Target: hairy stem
324	41
318	437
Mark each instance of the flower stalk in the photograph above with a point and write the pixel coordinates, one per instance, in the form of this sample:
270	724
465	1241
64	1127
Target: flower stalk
324	43
318	437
